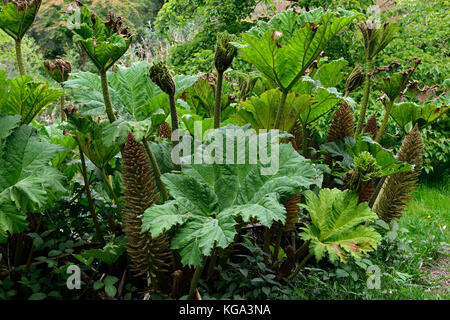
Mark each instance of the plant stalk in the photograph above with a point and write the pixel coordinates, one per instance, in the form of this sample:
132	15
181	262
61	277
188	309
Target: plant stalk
385	121
304	141
89	196
218	100
19	57
109	187
212	264
300	266
365	100
277	244
267	237
173	112
106	97
62	103
155	166
19	249
194	281
112	225
280	108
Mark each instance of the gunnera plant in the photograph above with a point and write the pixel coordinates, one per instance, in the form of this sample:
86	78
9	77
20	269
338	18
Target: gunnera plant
398	189
147	254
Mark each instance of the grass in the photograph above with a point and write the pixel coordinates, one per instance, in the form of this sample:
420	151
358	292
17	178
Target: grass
413	257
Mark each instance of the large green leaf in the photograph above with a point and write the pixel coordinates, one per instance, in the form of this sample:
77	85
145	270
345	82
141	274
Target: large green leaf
336	227
104	43
27	181
89	134
284	56
210	197
261	111
331	74
16	17
323	101
200	97
140	104
198	237
409	113
28	98
7	124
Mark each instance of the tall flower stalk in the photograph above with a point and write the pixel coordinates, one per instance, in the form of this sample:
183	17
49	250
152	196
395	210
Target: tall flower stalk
59	71
375	39
223	58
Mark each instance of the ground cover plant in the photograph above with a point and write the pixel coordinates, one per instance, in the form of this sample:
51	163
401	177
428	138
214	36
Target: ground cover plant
287	154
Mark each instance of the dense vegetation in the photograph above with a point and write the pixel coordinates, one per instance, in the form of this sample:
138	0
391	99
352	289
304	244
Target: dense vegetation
91	99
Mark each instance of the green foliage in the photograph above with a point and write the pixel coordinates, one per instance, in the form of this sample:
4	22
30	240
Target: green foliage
422	34
27	98
140	103
27	182
253	281
350	149
407	114
375	37
336	228
31	53
357	5
209	199
261	111
89	135
133	94
16	17
104	42
200	97
110	252
277	48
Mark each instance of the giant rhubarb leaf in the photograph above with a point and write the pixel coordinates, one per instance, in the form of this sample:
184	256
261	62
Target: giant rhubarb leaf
285	47
16	17
261	111
27	180
336	228
210	197
409	113
28	98
104	42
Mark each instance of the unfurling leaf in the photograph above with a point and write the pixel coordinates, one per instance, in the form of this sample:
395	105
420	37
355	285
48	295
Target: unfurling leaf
336	230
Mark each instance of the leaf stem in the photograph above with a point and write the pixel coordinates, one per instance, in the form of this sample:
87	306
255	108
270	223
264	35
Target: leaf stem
365	99
107	97
155	166
62	103
277	244
19	57
89	196
194	281
300	266
280	108
218	100
385	121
